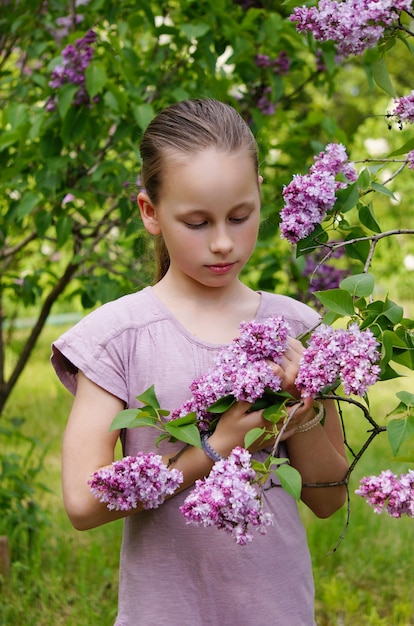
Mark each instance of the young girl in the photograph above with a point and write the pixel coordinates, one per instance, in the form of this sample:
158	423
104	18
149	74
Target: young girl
202	203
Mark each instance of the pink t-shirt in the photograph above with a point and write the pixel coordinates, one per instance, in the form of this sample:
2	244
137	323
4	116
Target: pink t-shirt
172	573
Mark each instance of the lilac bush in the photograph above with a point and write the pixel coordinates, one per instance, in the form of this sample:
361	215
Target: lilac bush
229	498
141	479
390	493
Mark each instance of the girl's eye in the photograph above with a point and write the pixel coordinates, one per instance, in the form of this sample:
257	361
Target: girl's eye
239	220
195	226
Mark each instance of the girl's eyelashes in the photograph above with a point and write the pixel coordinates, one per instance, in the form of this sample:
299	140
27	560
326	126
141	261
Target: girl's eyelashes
195	226
233	220
238	220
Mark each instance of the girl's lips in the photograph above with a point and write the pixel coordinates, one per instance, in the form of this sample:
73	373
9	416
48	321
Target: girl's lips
221	268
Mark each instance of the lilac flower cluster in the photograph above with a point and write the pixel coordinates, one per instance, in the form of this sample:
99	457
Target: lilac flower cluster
404	108
353	25
141	479
76	58
410	159
240	369
347	355
229	498
309	197
280	65
262	95
390	493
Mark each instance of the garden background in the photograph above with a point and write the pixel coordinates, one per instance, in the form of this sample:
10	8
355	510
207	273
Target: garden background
70	124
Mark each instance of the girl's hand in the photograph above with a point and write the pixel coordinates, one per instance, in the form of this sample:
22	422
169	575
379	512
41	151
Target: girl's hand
237	421
288	368
233	425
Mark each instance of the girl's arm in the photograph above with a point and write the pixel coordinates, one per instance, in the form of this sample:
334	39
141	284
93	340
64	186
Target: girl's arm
89	445
319	455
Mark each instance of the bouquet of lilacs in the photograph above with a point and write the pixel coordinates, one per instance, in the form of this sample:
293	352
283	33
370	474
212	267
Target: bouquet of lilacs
230	498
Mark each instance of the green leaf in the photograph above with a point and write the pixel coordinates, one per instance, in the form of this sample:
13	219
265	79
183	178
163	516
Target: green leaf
63	229
9	138
290	479
28	202
143	115
188	433
399	431
361	285
337	300
149	397
194	31
43	220
75	125
406	397
123	419
274	413
364	179
382	78
65	98
384	190
406	147
358	250
367	218
392	311
95	78
347	198
190	418
253	435
222	404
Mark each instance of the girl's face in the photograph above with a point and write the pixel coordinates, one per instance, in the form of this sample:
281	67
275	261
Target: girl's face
208	214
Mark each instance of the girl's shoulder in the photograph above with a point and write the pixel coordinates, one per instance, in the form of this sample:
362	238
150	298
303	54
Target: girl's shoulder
300	316
134	310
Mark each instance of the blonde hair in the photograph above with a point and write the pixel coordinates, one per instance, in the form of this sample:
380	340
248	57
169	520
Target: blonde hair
186	128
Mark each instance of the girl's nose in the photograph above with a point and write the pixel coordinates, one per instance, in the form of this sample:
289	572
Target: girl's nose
220	241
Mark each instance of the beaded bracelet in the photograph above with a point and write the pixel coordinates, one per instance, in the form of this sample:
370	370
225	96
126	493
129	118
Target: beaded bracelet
209	450
303	428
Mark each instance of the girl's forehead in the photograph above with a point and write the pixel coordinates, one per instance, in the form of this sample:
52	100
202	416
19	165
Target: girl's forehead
214	175
177	159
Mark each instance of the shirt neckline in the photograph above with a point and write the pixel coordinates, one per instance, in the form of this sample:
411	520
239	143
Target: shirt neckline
183	330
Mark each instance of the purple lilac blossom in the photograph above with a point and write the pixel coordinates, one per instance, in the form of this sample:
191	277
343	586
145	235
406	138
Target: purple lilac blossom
404	108
229	498
280	65
331	355
141	479
76	58
390	493
353	25
410	159
240	369
263	102
309	197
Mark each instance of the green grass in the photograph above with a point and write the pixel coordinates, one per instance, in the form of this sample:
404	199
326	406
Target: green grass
70	578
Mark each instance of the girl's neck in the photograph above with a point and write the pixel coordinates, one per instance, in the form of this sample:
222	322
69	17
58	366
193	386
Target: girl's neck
209	313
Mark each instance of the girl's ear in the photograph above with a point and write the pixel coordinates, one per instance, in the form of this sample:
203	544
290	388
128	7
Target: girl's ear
148	214
260	180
